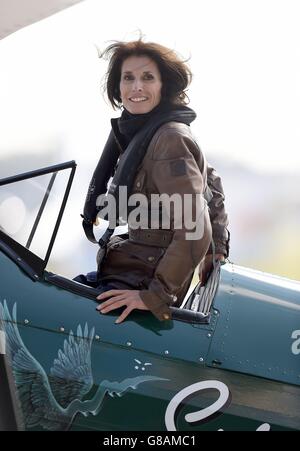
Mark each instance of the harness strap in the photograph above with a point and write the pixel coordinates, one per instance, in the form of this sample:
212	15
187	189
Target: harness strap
89	232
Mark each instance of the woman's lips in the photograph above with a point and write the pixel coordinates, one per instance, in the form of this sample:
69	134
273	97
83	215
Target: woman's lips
138	99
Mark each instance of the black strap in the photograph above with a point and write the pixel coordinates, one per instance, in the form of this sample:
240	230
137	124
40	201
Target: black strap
88	228
98	184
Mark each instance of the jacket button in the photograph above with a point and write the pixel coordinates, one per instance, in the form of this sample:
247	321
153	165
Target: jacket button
166	316
150	259
138	184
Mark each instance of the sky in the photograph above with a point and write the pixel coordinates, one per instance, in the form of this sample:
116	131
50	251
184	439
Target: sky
245	60
244	55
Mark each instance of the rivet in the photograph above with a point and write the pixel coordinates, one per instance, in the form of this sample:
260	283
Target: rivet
150	259
26	321
97	337
201	359
19	259
129	343
35	276
166	352
215	312
208	335
61	329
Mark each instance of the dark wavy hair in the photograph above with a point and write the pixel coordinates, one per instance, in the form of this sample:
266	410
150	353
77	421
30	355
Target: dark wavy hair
175	74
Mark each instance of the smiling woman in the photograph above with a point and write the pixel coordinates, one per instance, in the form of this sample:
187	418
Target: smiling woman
140	85
153	64
151	153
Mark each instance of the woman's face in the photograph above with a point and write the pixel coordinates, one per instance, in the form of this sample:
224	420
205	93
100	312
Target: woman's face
140	84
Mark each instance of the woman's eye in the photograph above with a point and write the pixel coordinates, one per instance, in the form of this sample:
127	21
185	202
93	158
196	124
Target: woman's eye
128	77
148	77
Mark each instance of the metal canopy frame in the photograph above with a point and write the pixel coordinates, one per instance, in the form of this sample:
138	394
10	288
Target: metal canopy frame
33	265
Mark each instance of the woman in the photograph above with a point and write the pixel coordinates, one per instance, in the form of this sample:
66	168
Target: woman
151	152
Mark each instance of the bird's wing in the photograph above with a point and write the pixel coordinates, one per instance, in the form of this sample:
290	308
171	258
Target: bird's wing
71	375
34	392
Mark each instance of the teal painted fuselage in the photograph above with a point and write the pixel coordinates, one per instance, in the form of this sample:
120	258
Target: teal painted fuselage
247	356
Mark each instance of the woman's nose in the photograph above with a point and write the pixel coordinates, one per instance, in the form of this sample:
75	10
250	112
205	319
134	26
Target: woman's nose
138	85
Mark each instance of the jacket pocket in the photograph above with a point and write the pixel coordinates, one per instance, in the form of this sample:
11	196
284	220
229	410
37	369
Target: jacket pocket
137	261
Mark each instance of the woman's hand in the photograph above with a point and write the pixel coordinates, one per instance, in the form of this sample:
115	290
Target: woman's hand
206	266
120	298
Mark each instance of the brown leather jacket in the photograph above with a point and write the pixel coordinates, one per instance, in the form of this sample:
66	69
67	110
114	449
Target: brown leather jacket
159	262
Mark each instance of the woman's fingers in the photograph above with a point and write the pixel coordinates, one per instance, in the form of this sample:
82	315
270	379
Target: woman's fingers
120	298
110	293
124	314
111	306
111	301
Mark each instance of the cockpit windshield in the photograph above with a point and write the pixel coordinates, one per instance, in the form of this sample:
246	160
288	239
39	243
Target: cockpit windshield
31	206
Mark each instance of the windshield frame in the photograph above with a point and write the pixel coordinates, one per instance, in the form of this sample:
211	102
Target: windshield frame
33	265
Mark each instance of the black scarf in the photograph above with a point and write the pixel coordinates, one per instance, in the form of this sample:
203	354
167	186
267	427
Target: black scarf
128	124
135	132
